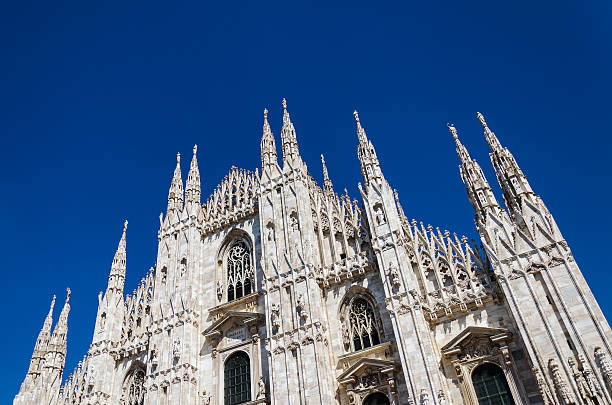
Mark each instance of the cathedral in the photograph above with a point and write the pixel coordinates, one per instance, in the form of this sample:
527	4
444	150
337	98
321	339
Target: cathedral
279	290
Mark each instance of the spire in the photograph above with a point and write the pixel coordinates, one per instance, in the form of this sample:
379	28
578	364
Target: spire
175	195
40	349
268	145
193	191
370	166
479	191
61	328
328	187
288	137
117	273
513	182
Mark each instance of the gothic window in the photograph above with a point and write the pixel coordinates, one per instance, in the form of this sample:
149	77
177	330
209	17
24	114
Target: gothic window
239	271
133	388
491	386
363	329
237	379
377	398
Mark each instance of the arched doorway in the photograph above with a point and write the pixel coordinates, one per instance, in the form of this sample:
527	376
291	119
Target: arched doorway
377	398
237	379
491	386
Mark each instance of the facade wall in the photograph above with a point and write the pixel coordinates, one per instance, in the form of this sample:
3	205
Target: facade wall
439	307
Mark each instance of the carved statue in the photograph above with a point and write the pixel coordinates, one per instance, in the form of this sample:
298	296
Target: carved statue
176	349
274	316
547	396
219	290
379	214
394	275
261	388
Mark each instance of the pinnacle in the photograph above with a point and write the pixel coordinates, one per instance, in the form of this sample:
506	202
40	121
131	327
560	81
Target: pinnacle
481	119
453	130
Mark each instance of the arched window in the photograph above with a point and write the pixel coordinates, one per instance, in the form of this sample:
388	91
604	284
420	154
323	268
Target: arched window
363	330
133	387
377	398
239	271
237	379
491	386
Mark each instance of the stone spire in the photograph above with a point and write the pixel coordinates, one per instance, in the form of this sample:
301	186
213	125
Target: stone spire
268	145
193	189
291	151
479	191
116	278
328	187
40	349
58	339
55	358
370	167
513	182
175	195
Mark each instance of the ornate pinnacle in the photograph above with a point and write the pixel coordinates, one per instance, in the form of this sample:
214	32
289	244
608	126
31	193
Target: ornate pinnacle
356	115
178	157
68	292
327	184
195	149
284	102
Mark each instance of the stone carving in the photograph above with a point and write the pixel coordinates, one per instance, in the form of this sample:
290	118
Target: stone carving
219	290
565	393
176	349
547	396
379	215
275	316
604	363
301	307
591	380
424	397
261	388
394	276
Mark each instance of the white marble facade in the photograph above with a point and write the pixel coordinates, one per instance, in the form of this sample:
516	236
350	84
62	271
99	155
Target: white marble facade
277	290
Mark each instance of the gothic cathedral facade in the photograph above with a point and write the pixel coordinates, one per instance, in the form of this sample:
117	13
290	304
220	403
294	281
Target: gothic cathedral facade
279	291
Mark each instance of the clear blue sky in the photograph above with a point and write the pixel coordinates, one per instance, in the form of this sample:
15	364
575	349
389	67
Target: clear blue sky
97	98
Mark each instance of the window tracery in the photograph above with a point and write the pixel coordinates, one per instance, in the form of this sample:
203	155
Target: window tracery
239	271
133	388
362	327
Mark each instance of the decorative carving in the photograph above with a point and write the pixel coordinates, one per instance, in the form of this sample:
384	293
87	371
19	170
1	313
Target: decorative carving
394	276
565	394
424	397
363	331
261	388
176	349
591	380
547	396
604	363
275	317
219	290
300	306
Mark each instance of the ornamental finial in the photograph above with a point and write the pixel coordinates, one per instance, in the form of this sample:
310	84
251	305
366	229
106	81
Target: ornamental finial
453	130
266	113
284	104
356	115
178	157
125	226
195	149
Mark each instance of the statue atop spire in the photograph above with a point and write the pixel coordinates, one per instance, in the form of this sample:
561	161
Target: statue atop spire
193	189
290	148
116	279
370	166
328	187
479	191
268	145
509	175
175	195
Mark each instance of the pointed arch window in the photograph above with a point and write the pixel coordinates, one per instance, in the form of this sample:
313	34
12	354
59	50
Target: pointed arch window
363	327
239	271
133	387
237	379
491	386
